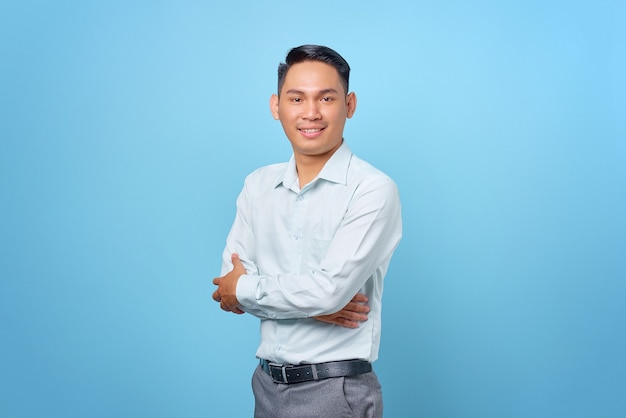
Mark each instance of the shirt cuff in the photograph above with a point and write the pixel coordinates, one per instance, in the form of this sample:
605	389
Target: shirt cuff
246	291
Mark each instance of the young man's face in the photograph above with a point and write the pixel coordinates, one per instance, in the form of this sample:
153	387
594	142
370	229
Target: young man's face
312	108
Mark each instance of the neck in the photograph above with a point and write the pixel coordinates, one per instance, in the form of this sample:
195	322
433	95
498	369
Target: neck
308	169
309	166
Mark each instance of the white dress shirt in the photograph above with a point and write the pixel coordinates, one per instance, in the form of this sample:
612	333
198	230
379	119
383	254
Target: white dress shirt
308	251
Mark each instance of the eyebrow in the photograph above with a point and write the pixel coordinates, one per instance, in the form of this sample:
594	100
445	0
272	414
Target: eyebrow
321	92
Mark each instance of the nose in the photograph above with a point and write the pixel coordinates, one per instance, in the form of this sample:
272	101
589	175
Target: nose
311	110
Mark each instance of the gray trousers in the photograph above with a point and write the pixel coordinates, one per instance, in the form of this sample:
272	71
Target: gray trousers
340	397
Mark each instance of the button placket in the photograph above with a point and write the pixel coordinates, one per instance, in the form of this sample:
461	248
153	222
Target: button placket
299	210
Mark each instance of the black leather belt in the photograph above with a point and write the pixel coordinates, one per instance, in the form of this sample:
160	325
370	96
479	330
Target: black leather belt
286	373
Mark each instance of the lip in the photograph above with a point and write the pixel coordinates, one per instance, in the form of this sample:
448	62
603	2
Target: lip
311	132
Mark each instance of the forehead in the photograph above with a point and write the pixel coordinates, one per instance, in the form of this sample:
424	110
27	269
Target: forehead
311	76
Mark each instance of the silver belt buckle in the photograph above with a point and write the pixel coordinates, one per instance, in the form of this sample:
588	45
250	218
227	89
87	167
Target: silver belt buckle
283	372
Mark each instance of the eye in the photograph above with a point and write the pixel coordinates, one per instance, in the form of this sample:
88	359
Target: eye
327	99
295	99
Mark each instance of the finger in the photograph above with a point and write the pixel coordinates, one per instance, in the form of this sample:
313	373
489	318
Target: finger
354	316
357	313
360	298
216	280
346	323
217	297
339	319
235	258
356	307
229	308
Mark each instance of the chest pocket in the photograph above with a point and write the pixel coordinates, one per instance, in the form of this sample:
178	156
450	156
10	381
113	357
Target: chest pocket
315	250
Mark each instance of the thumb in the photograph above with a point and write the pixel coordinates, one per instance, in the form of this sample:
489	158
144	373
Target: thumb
235	258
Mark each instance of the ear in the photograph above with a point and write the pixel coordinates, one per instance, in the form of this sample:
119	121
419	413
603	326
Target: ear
274	106
351	103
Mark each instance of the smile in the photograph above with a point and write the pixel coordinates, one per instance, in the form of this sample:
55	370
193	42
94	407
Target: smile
311	133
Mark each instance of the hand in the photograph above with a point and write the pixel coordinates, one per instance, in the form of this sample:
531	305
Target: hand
354	312
226	293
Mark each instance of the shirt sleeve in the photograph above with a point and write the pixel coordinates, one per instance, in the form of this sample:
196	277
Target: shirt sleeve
365	240
240	241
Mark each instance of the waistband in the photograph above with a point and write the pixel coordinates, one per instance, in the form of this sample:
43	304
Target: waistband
288	374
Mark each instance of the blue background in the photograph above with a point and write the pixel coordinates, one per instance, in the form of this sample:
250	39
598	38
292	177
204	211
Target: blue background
127	129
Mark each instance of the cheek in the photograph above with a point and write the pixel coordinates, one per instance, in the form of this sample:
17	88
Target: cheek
339	117
286	115
338	114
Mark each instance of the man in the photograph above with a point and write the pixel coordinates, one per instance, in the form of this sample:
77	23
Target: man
308	251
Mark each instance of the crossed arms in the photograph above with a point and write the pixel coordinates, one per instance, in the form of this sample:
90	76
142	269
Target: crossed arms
349	316
365	237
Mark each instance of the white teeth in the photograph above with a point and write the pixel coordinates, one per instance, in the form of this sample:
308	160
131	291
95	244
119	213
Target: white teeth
310	130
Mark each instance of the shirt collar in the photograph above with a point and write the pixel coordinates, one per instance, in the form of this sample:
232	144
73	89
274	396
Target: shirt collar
335	169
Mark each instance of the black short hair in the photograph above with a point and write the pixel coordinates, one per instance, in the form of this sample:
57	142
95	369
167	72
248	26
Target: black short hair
314	53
